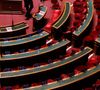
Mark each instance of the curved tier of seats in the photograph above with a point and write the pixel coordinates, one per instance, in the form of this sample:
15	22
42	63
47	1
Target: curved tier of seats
59	63
87	21
64	16
54	65
8	31
67	81
23	40
56	46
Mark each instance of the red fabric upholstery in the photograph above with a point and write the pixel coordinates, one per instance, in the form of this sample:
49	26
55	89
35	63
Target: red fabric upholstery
35	84
93	60
77	4
43	63
50	80
89	88
97	82
56	13
88	38
79	69
80	16
98	58
54	17
73	28
77	23
54	1
63	76
16	87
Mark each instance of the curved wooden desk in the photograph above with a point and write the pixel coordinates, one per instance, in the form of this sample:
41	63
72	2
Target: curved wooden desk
41	13
67	81
64	16
14	30
66	60
51	48
24	43
87	21
23	40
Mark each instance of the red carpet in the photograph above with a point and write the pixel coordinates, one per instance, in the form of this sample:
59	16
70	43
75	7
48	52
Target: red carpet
6	19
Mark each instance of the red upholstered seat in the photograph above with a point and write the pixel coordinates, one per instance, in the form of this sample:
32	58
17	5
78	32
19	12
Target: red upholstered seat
78	10
93	60
84	4
50	80
76	71
77	4
98	28
89	88
16	87
72	51
55	15
88	38
97	83
68	53
76	49
56	6
43	63
94	34
35	84
54	1
89	66
44	46
49	25
77	15
56	11
80	16
98	21
84	11
79	69
73	28
98	58
55	60
77	23
63	76
97	5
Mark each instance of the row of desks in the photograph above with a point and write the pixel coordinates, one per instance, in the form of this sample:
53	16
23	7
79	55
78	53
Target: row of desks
67	81
23	40
65	61
36	52
14	30
24	43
